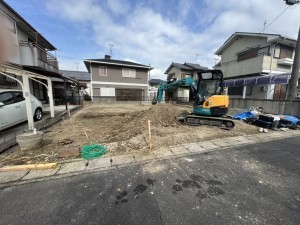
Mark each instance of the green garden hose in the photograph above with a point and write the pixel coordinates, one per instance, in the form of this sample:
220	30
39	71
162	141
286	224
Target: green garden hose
92	151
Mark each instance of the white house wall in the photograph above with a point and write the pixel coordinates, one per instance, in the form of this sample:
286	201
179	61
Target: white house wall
241	44
183	93
229	65
176	72
249	66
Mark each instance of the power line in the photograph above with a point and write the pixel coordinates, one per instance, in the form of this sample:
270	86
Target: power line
276	18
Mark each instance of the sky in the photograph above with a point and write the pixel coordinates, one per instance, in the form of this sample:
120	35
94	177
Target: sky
155	32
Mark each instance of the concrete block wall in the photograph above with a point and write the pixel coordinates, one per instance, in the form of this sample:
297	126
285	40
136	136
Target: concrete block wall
270	106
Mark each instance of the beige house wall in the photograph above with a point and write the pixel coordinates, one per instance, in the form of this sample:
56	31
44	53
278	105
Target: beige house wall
114	74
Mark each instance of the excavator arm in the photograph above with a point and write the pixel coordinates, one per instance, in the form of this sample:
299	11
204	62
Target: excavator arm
183	83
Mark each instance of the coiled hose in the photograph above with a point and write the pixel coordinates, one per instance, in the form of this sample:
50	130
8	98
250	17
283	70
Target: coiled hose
92	151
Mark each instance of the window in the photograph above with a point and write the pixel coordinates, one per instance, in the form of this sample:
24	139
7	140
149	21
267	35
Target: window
129	73
19	97
247	55
108	92
239	90
286	52
235	90
102	71
7	98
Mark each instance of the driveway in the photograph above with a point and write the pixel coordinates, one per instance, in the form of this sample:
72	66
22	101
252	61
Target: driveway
9	135
253	184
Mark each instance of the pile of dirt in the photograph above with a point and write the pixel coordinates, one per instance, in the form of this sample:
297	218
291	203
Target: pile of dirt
160	115
134	124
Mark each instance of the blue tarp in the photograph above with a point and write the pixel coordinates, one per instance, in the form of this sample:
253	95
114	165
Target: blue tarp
243	116
292	119
246	115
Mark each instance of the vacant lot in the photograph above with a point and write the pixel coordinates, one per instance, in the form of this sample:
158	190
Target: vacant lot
122	128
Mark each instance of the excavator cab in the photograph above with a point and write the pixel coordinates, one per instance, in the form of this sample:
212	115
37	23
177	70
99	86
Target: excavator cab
210	100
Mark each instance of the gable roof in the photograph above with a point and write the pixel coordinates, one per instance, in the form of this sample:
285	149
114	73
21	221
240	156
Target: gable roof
87	63
77	75
269	37
157	81
23	23
186	66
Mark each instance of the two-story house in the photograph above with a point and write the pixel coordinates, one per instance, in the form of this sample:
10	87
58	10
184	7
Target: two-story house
117	80
153	87
30	51
29	66
180	71
256	65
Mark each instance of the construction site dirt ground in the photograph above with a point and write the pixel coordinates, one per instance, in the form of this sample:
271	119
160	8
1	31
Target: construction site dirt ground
121	128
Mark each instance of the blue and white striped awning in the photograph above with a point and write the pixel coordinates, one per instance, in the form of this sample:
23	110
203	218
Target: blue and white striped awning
258	80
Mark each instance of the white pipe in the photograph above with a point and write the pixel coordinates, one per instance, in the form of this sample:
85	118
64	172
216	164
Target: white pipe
50	95
26	94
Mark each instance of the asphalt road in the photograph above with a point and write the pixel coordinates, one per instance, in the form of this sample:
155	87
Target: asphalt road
254	184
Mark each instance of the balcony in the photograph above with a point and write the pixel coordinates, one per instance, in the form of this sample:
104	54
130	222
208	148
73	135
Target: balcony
34	55
285	61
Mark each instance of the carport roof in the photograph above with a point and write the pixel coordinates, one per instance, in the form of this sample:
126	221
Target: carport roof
41	71
259	80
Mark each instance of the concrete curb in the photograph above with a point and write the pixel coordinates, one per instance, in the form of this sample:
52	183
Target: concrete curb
82	166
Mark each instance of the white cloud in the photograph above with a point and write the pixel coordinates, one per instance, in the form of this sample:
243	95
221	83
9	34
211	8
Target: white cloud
117	7
146	35
71	64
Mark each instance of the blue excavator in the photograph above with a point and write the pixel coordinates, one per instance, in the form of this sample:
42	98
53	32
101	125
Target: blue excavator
210	104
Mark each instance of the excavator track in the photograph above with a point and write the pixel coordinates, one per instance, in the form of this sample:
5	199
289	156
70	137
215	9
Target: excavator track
194	120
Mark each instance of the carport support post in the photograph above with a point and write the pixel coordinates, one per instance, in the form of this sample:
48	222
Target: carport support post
65	94
244	92
26	93
50	95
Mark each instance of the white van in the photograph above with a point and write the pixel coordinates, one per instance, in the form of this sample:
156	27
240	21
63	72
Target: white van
13	108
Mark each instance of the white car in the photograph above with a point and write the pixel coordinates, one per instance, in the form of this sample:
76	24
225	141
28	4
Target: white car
13	108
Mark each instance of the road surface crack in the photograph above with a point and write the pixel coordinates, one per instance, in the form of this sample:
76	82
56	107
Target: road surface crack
160	214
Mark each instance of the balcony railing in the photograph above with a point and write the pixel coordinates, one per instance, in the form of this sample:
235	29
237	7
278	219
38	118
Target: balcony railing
34	55
285	61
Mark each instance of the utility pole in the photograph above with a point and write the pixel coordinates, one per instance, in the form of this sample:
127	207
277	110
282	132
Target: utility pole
292	86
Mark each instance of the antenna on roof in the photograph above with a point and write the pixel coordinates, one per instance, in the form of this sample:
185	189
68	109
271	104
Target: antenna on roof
110	48
265	23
